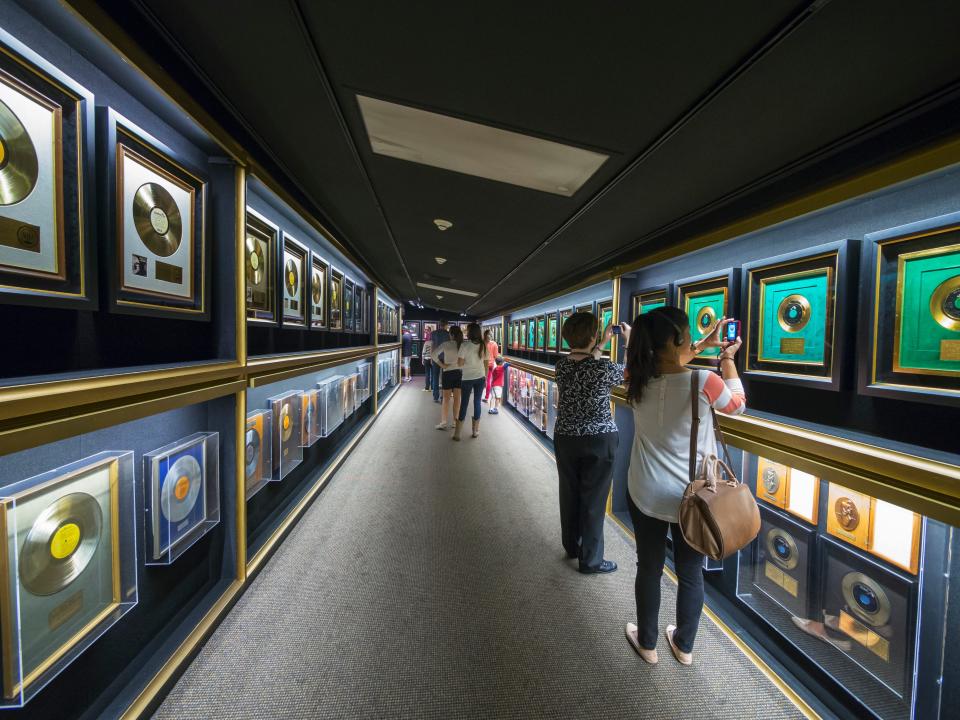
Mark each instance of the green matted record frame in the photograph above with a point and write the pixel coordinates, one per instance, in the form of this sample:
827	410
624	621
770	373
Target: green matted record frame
911	295
706	298
605	317
532	334
541	332
523	335
649	299
798	314
565	313
553	332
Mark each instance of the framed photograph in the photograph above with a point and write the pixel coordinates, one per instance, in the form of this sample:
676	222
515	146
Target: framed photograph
413	327
799	315
319	272
335	304
260	264
564	316
182	491
154	225
649	299
705	299
541	332
293	290
46	184
911	297
349	320
552	332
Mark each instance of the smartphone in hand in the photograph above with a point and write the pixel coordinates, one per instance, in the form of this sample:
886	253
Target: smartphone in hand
615	329
733	331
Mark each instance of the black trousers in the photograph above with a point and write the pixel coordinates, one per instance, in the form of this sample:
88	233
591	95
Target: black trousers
585	466
651	535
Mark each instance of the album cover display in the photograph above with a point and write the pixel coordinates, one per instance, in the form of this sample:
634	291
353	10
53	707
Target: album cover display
605	311
69	558
260	253
705	299
182	491
319	271
258	452
552	333
155	225
870	612
309	417
913	335
541	332
332	391
349	321
286	432
412	327
785	566
564	314
293	276
336	299
647	300
46	183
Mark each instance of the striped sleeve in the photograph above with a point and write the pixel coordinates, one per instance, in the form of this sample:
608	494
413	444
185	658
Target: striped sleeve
725	396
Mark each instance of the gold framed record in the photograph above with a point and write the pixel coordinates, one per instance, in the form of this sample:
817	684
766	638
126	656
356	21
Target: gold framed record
319	271
287	452
335	299
46	128
260	252
293	275
258	451
157	226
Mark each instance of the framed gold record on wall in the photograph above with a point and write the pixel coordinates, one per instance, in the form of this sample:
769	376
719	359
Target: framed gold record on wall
260	261
705	299
154	225
336	299
319	271
69	566
293	285
349	320
46	183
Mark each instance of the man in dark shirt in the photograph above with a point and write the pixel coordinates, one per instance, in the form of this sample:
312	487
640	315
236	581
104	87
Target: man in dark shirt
406	352
438	338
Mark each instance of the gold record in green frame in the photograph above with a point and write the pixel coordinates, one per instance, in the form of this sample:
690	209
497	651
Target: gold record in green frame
704	303
643	303
605	310
927	321
532	334
62	539
523	334
795	317
564	315
552	332
541	332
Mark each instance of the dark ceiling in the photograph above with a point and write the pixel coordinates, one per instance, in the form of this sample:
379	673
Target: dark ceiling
708	110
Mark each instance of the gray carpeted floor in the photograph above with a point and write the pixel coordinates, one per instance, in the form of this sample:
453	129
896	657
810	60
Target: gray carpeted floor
428	581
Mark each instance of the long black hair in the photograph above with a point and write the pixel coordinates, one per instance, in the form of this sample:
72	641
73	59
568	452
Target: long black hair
651	332
475	335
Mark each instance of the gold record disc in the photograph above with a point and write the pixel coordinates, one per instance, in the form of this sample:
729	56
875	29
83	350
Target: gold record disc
783	549
61	543
19	166
705	319
793	313
256	261
315	285
157	219
252	453
866	598
286	422
181	488
291	278
845	510
945	303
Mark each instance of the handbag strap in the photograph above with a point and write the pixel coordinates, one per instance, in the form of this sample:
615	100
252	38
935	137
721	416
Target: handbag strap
694	421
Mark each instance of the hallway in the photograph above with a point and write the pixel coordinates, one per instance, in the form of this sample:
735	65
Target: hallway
428	581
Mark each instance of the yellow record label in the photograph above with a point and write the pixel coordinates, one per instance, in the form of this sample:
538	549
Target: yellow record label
65	540
182	487
254	261
291	278
3	152
286	422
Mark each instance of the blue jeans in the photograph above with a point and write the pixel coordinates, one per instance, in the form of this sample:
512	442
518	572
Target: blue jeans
435	380
476	387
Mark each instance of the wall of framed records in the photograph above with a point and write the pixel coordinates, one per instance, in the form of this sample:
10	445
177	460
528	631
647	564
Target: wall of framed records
127	203
142	499
302	294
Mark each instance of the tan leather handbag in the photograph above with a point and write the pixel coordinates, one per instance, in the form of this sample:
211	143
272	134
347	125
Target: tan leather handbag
718	513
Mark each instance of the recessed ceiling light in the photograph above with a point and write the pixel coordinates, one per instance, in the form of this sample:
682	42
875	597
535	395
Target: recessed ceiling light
439	297
440	260
447	289
471	148
442	224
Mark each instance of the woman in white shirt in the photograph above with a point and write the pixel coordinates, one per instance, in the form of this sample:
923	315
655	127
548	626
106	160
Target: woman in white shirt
659	388
445	356
472	360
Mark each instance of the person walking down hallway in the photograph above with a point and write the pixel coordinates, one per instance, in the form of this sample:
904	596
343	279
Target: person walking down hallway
660	391
472	360
406	353
585	439
445	356
427	360
493	351
437	338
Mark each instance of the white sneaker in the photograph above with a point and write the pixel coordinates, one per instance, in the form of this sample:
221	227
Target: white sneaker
441	426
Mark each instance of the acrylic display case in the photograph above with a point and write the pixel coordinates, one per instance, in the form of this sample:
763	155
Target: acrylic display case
286	432
332	391
309	417
182	490
258	451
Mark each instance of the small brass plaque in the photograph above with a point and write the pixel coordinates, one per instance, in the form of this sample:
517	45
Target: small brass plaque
950	350
65	610
791	346
790	585
169	273
19	235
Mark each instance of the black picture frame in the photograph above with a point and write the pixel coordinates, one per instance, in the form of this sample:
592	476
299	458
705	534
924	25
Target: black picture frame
75	284
650	295
318	321
335	300
728	278
349	318
259	225
842	258
291	245
119	139
357	308
876	374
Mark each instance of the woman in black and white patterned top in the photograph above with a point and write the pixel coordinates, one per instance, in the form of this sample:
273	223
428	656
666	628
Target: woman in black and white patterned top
586	439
